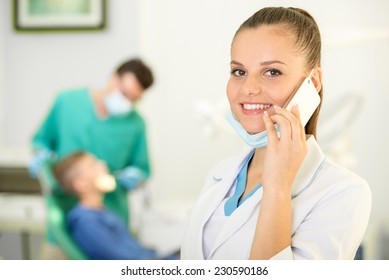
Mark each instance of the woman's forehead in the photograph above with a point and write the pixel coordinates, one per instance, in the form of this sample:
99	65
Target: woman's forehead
266	34
264	43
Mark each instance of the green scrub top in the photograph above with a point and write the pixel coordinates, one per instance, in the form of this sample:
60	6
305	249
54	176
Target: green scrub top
73	125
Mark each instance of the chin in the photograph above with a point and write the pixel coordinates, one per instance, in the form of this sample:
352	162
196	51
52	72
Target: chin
253	126
254	130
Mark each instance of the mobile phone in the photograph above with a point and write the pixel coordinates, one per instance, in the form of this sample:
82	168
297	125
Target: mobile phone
307	99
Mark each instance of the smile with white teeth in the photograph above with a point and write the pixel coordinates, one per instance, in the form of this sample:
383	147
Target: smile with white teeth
256	106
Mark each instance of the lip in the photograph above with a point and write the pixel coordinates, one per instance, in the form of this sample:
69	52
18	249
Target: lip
255	111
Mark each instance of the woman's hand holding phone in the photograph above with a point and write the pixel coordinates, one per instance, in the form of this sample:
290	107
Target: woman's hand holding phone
286	153
283	159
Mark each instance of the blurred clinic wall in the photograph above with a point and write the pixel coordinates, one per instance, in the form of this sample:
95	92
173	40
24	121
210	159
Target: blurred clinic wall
187	43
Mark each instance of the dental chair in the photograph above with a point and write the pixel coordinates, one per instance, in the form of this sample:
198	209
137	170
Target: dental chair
58	204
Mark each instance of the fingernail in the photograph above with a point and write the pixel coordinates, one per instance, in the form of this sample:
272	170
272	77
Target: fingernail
296	106
276	107
266	113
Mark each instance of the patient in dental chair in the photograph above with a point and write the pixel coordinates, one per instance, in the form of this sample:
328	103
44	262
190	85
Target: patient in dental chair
100	233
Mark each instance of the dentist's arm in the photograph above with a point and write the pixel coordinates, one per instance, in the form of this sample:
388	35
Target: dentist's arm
282	161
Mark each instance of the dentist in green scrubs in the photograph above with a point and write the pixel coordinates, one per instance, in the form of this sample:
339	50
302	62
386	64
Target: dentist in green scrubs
105	123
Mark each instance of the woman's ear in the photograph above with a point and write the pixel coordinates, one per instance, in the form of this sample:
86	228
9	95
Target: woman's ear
317	78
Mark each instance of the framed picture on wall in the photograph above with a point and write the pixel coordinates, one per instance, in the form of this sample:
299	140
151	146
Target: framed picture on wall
59	15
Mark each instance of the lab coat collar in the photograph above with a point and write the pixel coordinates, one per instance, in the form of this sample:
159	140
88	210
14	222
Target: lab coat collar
230	166
307	172
309	168
224	177
210	200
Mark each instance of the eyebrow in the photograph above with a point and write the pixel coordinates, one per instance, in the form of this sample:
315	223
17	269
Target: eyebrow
262	63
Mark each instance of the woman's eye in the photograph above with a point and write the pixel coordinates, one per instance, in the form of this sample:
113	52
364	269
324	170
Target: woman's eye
238	73
273	73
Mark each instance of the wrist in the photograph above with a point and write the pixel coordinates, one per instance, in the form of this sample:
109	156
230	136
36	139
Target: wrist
278	190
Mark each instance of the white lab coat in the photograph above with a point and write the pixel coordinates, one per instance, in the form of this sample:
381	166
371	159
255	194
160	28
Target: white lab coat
330	212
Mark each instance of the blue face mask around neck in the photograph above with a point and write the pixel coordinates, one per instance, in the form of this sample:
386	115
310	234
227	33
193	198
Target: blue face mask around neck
255	140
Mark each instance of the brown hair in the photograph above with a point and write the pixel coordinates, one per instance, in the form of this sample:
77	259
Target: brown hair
63	170
307	36
141	71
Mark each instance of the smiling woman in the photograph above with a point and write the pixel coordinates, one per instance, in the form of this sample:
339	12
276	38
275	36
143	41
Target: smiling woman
282	199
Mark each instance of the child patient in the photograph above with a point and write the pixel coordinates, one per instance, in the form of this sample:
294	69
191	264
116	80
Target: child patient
99	233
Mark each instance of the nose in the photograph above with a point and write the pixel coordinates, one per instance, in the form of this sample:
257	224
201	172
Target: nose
251	86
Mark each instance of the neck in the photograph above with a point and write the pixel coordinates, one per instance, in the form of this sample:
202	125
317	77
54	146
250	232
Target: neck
92	200
254	171
258	158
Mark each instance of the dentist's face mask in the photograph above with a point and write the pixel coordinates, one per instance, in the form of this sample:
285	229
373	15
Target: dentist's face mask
117	104
256	140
